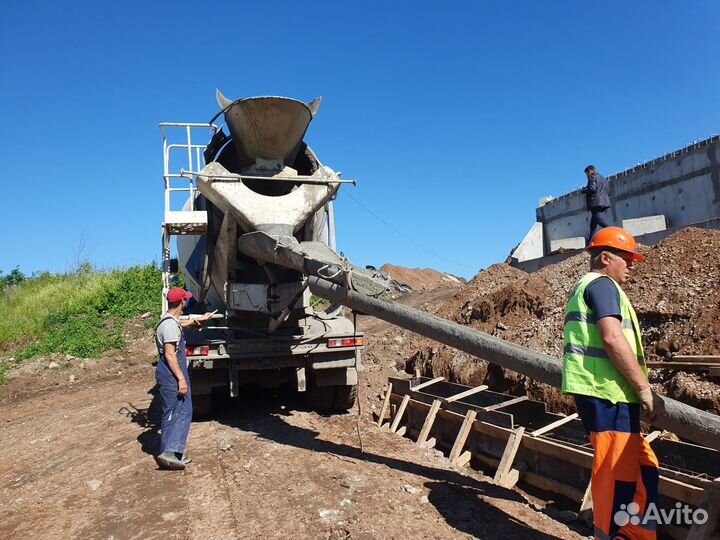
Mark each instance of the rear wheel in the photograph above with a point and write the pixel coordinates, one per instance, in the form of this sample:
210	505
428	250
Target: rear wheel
333	398
202	405
320	398
344	397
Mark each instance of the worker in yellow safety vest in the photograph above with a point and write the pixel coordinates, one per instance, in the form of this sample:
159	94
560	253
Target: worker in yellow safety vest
604	368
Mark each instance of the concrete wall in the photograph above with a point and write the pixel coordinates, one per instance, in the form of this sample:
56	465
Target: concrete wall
684	186
532	245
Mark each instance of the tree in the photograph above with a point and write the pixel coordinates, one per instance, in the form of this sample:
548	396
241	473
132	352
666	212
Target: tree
11	279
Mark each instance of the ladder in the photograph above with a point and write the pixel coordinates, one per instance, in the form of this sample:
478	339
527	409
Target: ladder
184	220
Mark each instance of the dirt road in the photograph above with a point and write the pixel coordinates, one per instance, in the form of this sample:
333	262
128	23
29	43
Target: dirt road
77	463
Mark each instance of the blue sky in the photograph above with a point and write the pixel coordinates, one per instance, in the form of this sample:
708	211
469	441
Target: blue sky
455	118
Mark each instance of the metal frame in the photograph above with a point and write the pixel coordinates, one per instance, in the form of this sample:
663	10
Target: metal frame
195	160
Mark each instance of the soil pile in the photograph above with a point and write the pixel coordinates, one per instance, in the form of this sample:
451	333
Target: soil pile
420	279
675	292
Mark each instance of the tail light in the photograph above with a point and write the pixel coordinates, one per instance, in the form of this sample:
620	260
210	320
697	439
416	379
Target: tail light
345	342
202	350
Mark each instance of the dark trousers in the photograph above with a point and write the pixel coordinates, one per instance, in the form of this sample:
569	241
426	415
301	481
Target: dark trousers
599	218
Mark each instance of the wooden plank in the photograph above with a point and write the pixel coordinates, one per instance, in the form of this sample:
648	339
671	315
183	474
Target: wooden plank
513	477
670	487
401	431
508	457
429	420
462	436
553	425
710	358
426	384
586	505
399	413
466	393
676	489
650	437
463	459
711	504
505	403
687	366
385	405
430	443
537	480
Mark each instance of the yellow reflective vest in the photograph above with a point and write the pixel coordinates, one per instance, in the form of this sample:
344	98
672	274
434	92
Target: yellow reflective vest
587	368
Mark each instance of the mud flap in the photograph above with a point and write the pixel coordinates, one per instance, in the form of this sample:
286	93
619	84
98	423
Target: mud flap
336	377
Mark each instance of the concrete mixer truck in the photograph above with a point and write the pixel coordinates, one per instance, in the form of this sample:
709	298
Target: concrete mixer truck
252	211
257	186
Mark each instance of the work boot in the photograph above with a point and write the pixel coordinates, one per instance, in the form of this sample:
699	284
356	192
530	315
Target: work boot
168	460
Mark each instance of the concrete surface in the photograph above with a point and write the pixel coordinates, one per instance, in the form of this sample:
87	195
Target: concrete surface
644	225
683	186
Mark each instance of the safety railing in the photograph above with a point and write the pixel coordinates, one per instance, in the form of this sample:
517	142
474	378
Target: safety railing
195	160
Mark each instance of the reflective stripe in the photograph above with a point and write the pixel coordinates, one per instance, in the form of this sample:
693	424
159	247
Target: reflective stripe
590	318
574	348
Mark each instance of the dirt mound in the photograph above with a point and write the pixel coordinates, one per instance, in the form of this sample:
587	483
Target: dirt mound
420	279
675	291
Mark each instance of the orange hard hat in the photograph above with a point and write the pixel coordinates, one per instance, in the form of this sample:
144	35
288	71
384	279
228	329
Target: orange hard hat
615	238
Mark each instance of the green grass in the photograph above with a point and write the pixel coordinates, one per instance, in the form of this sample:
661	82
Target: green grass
80	314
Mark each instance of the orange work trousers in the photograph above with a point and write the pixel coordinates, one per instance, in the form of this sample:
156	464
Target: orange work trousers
625	470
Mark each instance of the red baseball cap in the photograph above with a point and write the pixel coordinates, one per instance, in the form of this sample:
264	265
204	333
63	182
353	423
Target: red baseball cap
176	294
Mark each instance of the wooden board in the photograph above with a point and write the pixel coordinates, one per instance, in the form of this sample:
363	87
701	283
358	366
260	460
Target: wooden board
385	405
700	357
687	366
462	436
505	403
671	487
429	420
398	415
425	384
508	457
553	425
465	394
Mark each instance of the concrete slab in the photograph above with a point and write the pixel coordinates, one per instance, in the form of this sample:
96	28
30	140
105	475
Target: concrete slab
532	245
576	242
645	225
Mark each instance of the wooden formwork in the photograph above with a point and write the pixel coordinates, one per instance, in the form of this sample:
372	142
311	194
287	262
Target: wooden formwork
523	442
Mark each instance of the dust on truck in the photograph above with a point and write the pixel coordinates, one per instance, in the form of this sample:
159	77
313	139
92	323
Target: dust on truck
260	180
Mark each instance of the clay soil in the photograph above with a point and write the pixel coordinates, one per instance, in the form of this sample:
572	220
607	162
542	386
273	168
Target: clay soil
78	438
675	291
78	441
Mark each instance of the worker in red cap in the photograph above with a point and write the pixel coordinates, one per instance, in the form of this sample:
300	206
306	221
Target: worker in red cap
604	368
173	380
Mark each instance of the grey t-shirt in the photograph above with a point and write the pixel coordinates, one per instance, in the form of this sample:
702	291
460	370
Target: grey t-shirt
167	332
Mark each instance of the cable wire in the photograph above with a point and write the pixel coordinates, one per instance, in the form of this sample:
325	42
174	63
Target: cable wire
406	237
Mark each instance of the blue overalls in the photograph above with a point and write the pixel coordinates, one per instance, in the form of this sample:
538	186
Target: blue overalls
176	410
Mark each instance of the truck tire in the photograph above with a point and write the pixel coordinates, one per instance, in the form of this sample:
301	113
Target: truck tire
320	398
202	406
344	397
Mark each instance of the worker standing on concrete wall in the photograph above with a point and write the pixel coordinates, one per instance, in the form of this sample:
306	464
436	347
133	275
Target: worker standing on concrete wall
604	368
597	192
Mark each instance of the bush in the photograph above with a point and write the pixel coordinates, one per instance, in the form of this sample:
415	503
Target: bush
81	314
12	279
